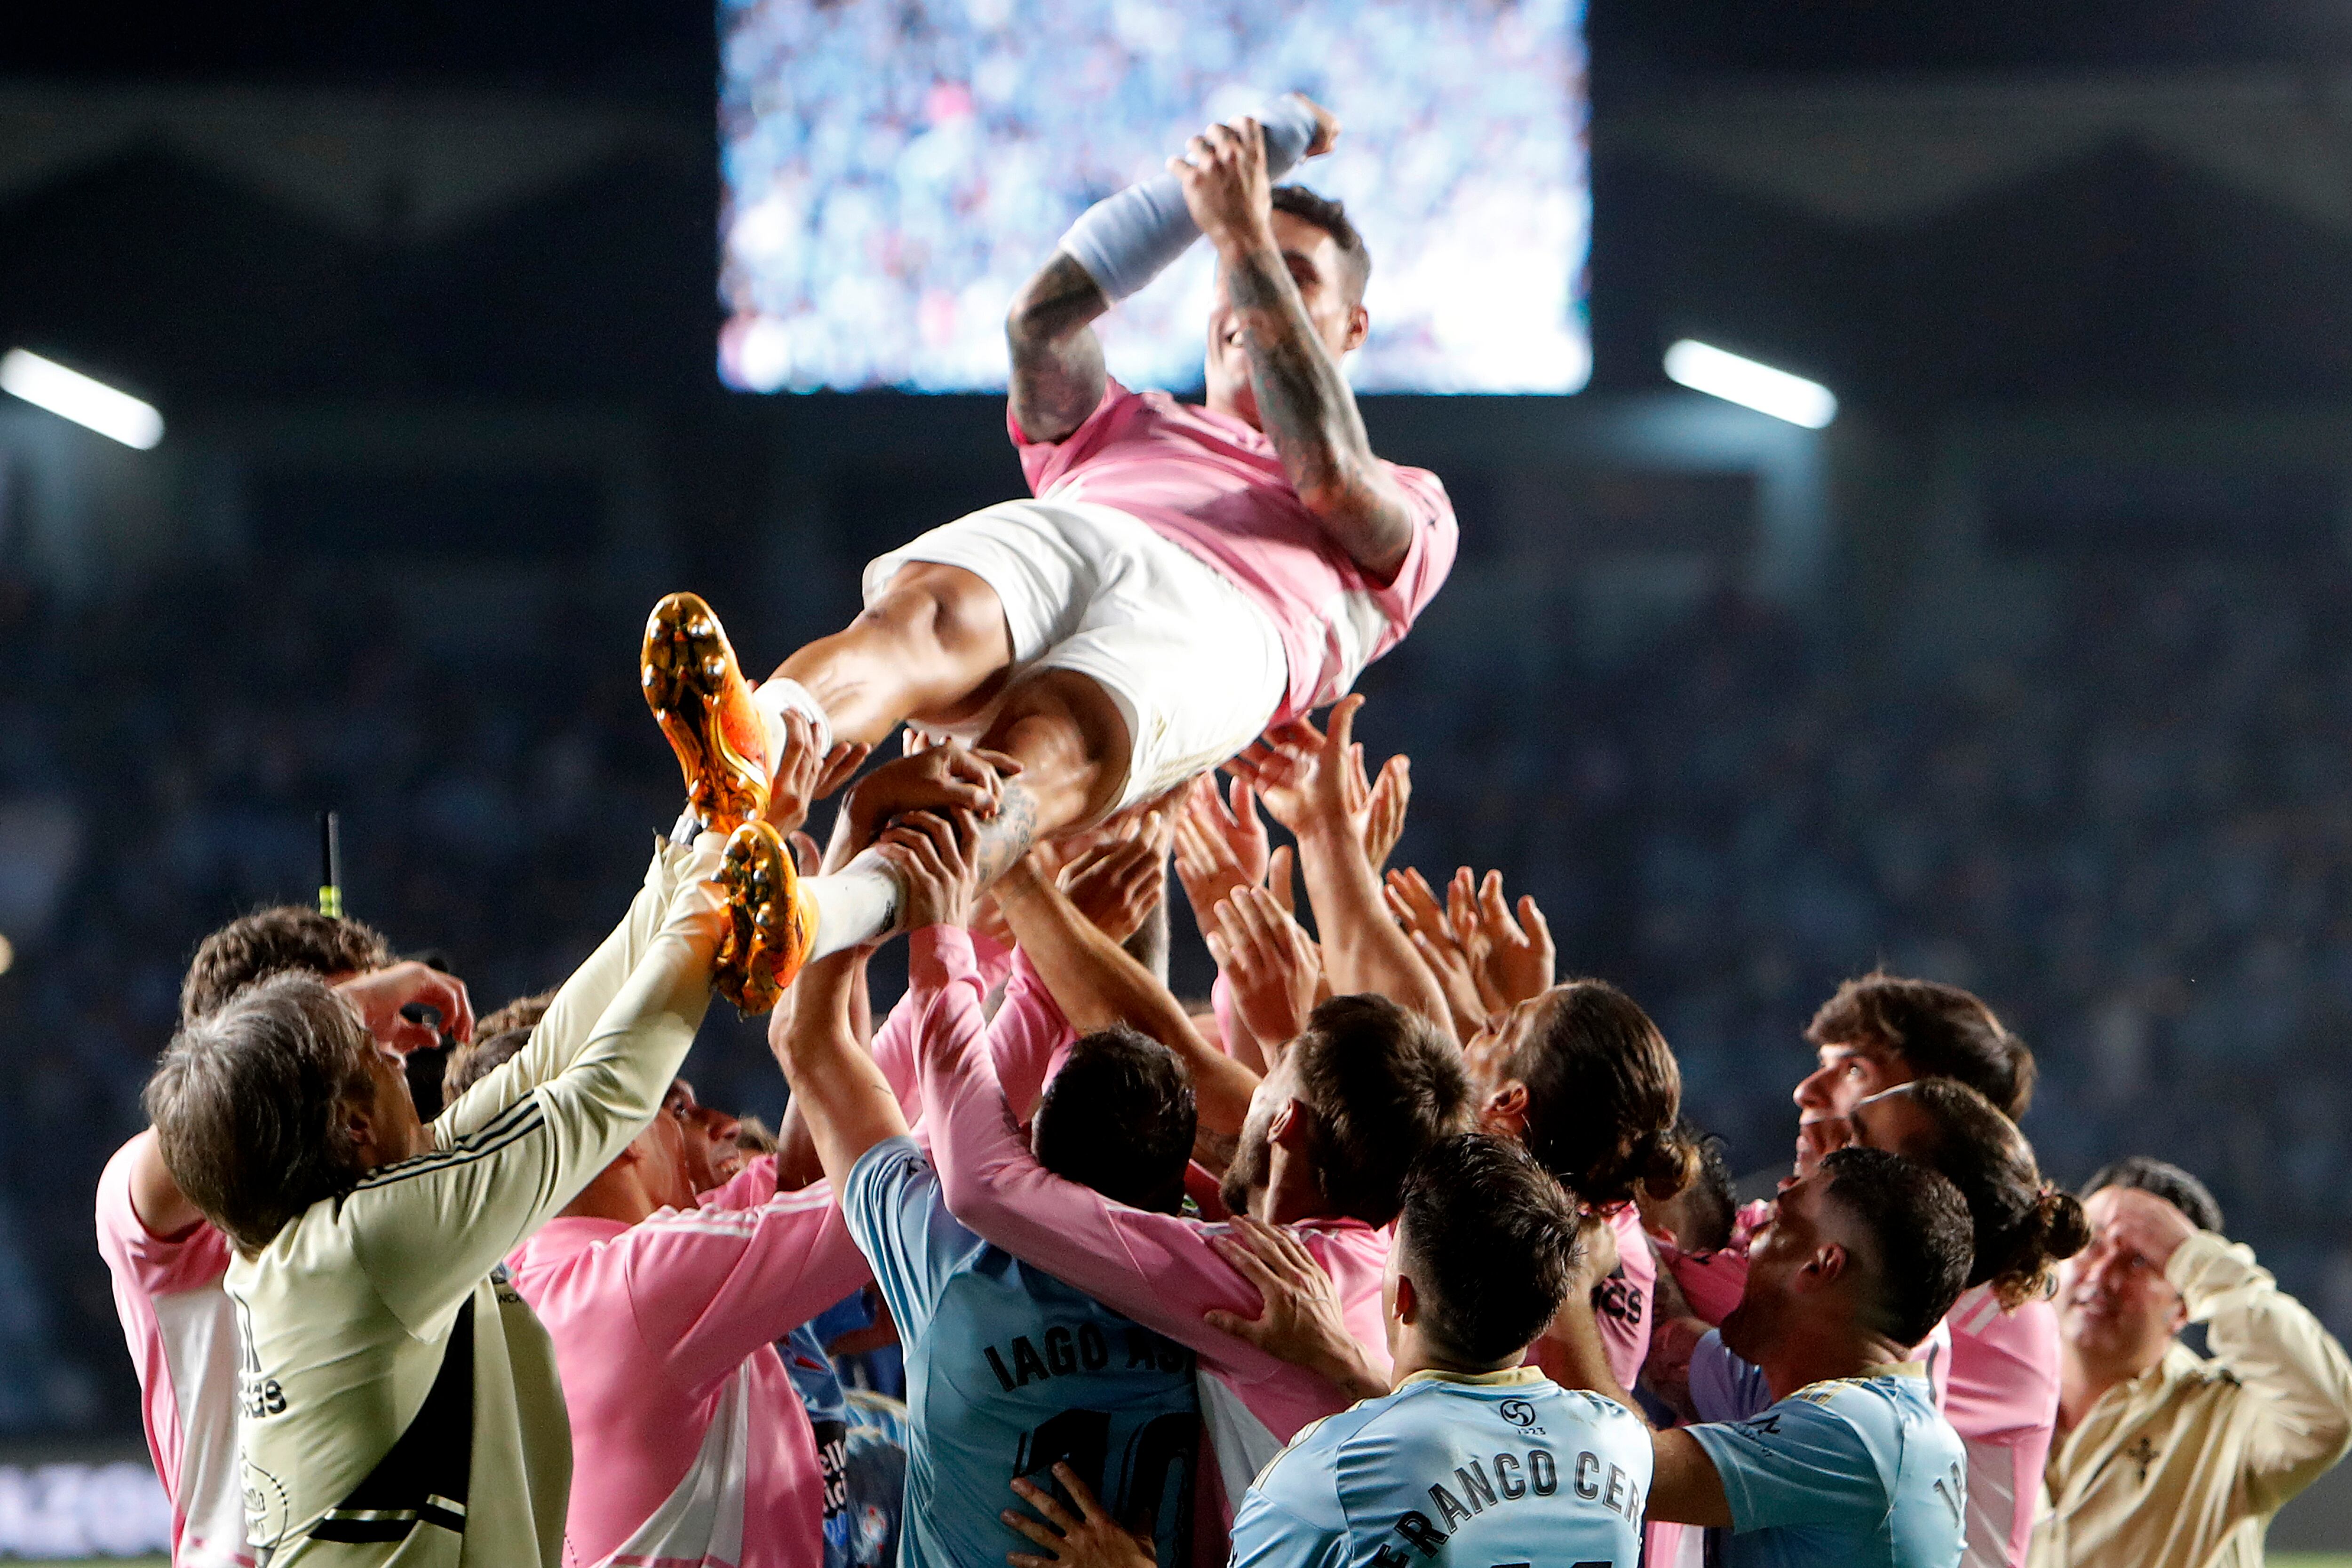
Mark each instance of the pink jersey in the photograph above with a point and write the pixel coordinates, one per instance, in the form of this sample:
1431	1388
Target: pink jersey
1624	1304
1028	1039
1157	1268
182	1332
1214	485
1710	1282
690	1448
2003	1402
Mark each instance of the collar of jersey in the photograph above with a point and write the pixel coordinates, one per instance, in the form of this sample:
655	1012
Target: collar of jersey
1509	1378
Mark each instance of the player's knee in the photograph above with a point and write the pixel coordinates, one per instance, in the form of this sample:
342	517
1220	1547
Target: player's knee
929	608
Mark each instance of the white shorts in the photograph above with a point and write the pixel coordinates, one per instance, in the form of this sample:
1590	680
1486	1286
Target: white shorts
1196	668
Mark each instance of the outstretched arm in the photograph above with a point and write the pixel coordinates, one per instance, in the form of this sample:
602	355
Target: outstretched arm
1098	983
1057	360
1302	775
1305	405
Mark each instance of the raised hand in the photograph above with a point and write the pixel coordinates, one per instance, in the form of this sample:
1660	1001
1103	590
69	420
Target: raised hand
1327	129
948	778
932	855
1384	804
1516	957
379	995
1437	941
1301	773
804	777
1300	1320
1222	172
1115	885
1219	850
1270	964
1093	1539
2144	1223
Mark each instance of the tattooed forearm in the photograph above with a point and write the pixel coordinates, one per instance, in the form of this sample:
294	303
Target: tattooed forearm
1310	412
1004	837
1058	361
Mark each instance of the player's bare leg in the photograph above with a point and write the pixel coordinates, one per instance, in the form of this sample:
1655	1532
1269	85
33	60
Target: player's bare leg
932	647
1066	739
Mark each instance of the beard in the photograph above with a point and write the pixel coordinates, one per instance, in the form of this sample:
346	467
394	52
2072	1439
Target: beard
1253	1167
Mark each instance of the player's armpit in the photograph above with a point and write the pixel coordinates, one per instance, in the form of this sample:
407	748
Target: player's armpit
1058	362
1685	1488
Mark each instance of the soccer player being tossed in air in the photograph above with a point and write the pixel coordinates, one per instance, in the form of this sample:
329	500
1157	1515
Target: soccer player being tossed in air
1186	577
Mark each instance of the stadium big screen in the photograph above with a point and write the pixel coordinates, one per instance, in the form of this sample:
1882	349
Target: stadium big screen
896	168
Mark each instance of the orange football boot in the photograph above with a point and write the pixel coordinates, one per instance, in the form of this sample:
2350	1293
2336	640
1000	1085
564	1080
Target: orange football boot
703	704
771	925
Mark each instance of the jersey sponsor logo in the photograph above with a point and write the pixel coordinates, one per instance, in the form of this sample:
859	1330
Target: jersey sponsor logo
1514	1478
1620	1298
1087	1348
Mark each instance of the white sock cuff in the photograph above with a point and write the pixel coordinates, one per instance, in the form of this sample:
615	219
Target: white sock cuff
780	695
854	904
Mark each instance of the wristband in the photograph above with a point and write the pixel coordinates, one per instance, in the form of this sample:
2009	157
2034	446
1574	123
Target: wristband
1126	240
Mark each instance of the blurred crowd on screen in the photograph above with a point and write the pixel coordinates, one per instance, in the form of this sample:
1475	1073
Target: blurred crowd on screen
895	172
2135	838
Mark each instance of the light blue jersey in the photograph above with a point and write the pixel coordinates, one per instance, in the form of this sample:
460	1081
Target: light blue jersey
1009	1370
1861	1472
1504	1468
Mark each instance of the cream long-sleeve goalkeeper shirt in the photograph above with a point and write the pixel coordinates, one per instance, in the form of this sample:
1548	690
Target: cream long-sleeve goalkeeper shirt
2184	1466
400	1407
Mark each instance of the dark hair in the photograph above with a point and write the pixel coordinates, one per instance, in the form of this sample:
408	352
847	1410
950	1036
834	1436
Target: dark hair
271	942
1331	218
2169	1182
1118	1118
1709	1206
2023	1225
1918	1228
1383	1085
1490	1239
1939	1030
498	1036
249	1099
1604	1096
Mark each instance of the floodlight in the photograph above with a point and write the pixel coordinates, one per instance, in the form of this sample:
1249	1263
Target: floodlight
71	395
1703	368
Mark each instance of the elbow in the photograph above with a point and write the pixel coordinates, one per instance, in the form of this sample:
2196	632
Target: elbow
1371	535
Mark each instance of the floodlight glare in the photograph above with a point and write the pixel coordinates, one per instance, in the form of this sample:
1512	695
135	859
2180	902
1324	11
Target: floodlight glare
1709	370
70	394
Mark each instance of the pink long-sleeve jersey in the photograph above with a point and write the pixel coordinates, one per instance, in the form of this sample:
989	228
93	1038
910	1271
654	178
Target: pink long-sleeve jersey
689	1448
182	1331
1157	1268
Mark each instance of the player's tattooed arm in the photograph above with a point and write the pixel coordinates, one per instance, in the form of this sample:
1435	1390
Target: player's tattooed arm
1057	360
1309	411
1304	405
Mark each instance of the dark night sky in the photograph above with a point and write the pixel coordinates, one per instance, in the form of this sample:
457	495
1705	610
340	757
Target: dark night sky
663	50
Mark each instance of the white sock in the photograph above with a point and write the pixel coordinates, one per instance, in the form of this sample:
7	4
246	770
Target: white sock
778	696
856	903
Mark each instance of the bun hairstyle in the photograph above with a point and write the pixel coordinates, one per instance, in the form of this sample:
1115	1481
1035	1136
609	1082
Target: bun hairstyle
2024	1227
1603	1096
